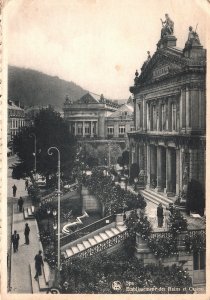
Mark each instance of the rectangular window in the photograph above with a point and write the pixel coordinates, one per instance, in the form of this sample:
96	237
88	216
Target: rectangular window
173	109
121	129
154	118
132	128
199	260
110	130
87	128
79	129
163	117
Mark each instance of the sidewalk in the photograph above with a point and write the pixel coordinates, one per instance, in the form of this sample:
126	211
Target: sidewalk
20	261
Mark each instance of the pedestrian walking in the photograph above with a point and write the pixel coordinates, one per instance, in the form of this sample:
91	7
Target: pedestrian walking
26	233
15	241
26	184
20	204
167	218
14	188
160	215
38	264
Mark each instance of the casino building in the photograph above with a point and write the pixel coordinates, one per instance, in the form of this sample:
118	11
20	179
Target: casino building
170	116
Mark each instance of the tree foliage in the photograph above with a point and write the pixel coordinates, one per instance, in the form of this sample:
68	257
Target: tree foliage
195	197
50	130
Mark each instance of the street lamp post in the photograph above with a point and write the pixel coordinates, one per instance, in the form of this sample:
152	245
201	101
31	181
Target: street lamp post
34	135
50	152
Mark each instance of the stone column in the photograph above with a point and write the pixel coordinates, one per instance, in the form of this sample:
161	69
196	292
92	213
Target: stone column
147	111
177	171
91	128
83	128
148	166
187	108
159	169
144	115
96	127
181	167
75	128
168	171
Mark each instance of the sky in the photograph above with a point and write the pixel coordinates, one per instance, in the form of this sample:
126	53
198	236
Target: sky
95	43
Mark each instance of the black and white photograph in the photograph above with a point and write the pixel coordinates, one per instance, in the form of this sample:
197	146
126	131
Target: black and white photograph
105	137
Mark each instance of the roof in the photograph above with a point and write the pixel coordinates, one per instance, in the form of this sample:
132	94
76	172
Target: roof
124	108
11	105
95	98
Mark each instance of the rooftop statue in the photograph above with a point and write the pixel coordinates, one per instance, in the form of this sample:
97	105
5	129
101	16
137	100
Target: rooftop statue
167	26
193	37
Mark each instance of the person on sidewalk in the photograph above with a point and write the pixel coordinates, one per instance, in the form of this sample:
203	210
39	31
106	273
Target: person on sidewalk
14	189
26	184
160	215
15	241
26	233
38	264
20	204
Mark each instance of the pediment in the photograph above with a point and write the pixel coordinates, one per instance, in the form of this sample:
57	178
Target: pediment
160	66
87	99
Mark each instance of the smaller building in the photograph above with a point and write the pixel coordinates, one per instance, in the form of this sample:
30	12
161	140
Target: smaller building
86	116
16	119
120	122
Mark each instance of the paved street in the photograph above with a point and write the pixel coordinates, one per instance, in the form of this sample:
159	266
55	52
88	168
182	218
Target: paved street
20	260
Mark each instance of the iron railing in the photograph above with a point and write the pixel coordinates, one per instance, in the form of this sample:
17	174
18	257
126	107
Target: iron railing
87	229
167	234
103	245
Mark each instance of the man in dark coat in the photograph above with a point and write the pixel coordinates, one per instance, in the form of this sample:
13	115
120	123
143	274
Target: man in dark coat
38	264
14	189
15	241
20	204
26	233
160	215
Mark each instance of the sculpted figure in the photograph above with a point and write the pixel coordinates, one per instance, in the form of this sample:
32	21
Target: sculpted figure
192	37
168	26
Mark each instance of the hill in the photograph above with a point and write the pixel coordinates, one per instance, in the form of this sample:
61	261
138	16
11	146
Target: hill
31	88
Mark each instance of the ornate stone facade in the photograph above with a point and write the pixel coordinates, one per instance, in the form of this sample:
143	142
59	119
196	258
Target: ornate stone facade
170	116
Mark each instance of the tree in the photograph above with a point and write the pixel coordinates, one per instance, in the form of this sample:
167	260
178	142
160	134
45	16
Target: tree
50	130
195	197
124	159
134	172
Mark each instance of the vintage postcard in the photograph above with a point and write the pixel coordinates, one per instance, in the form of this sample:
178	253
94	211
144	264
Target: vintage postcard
104	156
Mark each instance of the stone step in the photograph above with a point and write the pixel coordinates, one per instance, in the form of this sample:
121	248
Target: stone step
69	252
92	241
86	244
115	231
109	233
64	254
75	250
160	196
155	198
121	228
97	238
80	247
104	236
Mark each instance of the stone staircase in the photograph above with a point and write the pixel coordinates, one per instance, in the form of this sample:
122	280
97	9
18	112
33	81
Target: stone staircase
42	284
157	197
95	242
28	213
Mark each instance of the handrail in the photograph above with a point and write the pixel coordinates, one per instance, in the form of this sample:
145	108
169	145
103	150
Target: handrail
103	245
87	229
164	233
